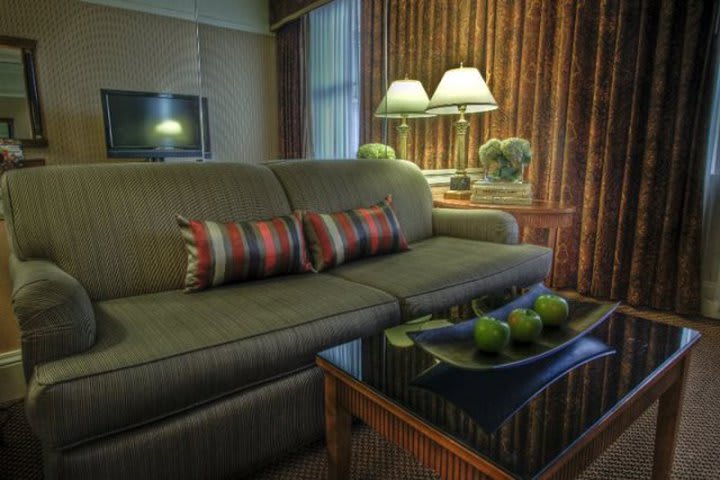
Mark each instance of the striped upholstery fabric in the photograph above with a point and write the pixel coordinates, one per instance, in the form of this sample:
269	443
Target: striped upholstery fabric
484	225
165	352
342	184
441	272
112	227
53	310
223	439
341	237
220	253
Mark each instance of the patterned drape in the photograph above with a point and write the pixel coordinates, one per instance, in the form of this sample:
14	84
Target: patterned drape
292	89
607	93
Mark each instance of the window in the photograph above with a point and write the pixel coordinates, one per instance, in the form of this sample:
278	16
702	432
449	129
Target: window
334	71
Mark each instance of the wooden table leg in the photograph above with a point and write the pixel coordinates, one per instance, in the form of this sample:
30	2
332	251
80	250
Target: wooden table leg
552	240
668	423
338	422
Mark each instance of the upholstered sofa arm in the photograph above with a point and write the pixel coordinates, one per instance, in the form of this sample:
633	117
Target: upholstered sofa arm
486	225
53	310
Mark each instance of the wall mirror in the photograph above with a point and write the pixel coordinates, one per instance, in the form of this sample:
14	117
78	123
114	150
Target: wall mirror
20	111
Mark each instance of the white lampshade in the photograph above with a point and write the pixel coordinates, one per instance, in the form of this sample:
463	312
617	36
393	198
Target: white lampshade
404	97
462	86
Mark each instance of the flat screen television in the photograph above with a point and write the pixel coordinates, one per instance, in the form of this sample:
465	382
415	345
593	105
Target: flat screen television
154	125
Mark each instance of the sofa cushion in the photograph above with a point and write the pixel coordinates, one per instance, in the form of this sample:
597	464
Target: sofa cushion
336	185
220	253
160	353
340	237
112	226
444	271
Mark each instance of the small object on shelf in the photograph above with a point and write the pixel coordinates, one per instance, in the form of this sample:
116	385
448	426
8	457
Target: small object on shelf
11	154
504	193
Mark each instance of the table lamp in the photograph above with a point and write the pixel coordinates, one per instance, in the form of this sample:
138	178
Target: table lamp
404	99
461	91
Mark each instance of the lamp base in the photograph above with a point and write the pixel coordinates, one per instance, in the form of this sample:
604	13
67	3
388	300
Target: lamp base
459	188
457	195
460	182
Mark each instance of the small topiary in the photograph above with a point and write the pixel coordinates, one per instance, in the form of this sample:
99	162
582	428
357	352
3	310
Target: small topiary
504	161
376	150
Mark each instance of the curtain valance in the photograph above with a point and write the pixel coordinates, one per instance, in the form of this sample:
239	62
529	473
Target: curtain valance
285	11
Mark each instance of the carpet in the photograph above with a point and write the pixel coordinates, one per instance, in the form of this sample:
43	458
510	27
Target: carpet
629	458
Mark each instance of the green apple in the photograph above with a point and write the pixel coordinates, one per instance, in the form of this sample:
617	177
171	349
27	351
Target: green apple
525	324
553	310
491	335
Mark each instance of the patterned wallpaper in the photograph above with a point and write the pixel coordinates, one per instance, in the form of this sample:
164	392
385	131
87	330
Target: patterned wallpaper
83	48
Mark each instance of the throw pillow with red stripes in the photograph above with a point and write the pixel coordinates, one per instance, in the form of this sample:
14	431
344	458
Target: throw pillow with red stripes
336	238
221	253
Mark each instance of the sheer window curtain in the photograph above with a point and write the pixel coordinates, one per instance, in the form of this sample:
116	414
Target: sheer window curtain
711	205
334	79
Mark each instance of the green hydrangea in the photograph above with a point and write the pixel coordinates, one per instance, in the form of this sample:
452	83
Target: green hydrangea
516	150
491	151
504	160
376	150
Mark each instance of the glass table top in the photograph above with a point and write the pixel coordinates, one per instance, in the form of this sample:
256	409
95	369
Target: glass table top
552	421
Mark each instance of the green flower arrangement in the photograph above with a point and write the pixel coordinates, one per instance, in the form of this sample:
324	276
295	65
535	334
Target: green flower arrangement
505	160
376	150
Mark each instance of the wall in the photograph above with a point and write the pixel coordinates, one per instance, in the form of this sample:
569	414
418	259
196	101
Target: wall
247	15
84	47
17	109
250	15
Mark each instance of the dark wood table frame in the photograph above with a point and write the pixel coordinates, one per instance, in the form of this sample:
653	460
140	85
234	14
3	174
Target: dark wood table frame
346	397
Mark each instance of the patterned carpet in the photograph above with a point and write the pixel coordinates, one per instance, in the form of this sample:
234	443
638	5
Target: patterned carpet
374	459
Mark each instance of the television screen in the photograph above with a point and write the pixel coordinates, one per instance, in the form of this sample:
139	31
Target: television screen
154	125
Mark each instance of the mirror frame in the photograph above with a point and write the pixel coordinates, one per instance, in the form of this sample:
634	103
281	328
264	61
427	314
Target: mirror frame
27	48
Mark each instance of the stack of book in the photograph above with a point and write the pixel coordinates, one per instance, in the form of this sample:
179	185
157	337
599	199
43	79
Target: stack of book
504	193
11	154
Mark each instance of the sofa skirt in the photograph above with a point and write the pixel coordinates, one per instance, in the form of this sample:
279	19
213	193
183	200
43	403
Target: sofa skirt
224	439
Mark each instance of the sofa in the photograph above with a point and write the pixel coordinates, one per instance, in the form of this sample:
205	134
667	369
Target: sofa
128	376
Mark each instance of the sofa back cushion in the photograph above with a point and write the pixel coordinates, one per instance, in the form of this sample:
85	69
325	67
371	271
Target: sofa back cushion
113	226
327	186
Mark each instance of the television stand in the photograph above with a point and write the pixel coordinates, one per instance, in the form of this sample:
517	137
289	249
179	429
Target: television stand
154	159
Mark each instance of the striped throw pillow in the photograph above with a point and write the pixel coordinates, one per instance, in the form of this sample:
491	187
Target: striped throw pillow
341	237
221	253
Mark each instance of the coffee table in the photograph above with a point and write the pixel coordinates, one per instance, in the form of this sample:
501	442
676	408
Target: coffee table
557	434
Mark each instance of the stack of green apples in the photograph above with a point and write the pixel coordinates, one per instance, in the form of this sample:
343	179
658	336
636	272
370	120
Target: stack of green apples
523	325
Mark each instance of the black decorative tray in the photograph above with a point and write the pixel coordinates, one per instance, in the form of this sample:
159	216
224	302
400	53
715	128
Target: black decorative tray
455	345
491	397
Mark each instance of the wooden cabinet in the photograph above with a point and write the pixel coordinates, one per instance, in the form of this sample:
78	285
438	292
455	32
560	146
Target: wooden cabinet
9	331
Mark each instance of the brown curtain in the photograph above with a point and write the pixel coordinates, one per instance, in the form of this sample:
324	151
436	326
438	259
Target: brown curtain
292	89
607	93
